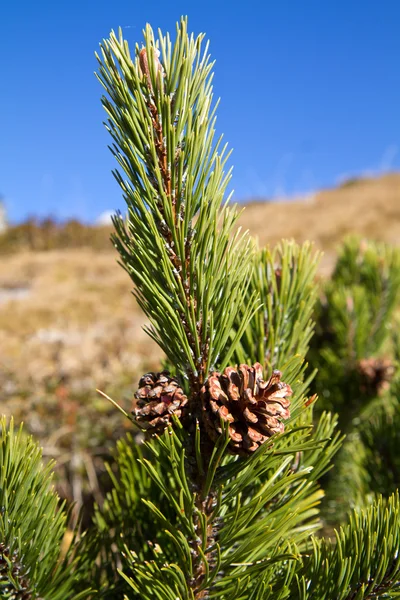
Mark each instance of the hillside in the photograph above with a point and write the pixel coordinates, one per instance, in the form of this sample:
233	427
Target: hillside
370	207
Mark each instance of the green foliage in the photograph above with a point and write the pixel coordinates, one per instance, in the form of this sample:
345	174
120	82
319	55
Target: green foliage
381	462
152	517
32	525
363	563
354	322
368	464
258	504
284	278
190	272
356	352
123	521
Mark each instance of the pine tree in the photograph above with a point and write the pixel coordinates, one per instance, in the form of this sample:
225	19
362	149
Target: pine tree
354	341
222	500
224	503
356	350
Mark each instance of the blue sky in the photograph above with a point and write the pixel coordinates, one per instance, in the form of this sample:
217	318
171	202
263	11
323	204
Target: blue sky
310	94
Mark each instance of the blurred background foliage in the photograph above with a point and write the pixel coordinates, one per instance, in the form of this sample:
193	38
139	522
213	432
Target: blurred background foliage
356	348
49	234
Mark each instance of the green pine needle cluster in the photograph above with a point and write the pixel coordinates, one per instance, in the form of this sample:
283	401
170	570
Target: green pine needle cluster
32	525
258	506
190	273
284	278
362	562
355	321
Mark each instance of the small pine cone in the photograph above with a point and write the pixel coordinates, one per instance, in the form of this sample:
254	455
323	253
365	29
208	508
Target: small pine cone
13	583
376	374
254	408
158	397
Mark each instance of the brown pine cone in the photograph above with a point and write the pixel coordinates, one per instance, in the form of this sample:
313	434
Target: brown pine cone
254	408
376	374
158	397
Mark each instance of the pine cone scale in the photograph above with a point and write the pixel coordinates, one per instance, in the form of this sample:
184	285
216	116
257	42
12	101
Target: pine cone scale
234	435
250	416
253	407
273	408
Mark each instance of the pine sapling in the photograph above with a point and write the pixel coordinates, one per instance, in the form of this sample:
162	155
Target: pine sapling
226	487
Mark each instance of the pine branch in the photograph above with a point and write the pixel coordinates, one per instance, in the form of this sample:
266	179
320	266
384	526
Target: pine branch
229	529
177	243
284	279
32	525
190	270
364	563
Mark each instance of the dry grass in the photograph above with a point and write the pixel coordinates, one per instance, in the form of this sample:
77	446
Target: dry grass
75	328
77	320
69	325
369	207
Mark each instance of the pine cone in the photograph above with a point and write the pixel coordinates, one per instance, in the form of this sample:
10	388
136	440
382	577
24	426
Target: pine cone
13	583
254	408
158	397
376	374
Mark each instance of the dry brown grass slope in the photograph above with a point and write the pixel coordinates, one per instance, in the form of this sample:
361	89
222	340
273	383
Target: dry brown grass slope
72	314
69	325
75	320
369	207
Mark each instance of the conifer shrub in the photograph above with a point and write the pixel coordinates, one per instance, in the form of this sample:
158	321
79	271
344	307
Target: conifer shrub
356	351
